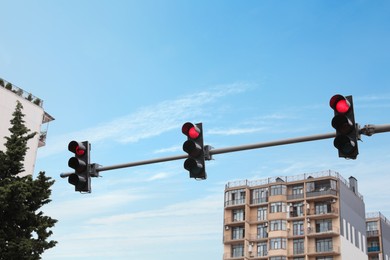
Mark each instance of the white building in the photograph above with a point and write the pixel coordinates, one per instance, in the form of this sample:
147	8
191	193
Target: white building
34	119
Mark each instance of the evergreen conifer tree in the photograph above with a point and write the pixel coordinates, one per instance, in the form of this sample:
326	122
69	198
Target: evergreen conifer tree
24	229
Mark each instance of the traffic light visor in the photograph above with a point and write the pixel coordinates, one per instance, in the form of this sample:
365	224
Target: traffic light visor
339	104
193	166
342	124
345	144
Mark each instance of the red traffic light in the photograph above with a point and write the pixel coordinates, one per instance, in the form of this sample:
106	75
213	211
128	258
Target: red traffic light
191	130
77	148
80	161
339	104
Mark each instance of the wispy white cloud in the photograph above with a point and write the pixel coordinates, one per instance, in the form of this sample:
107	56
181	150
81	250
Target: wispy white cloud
169	149
235	131
189	208
148	121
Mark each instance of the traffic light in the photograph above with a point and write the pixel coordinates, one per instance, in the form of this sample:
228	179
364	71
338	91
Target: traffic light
195	163
347	131
81	179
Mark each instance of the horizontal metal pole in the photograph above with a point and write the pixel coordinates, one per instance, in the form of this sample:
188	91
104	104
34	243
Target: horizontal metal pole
272	143
132	164
366	130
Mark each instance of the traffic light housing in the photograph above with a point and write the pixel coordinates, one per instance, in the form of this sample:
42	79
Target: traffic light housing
80	162
195	162
347	131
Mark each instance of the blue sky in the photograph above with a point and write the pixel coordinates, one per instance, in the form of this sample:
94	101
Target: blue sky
125	75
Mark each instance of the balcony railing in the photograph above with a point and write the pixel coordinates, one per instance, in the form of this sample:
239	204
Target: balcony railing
233	256
234	202
20	92
373	249
318	193
318	213
295	196
324	250
373	233
259	200
333	230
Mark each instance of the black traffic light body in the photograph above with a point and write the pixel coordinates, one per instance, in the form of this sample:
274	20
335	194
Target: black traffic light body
347	131
195	162
80	162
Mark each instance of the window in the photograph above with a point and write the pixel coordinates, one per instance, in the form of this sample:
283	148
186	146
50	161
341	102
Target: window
297	190
259	195
277	258
324	245
323	208
278	224
296	209
238	215
277	243
298	246
323	225
235	197
278	190
298	228
262	213
372	226
262	249
277	207
324	258
262	231
237	250
238	232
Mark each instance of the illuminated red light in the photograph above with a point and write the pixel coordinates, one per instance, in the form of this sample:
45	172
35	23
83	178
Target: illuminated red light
342	106
193	133
79	151
190	130
339	104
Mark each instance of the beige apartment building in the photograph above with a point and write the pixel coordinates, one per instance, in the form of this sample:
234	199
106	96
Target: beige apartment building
316	216
36	119
378	236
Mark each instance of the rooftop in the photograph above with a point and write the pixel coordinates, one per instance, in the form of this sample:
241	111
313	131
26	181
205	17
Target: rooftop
20	92
281	179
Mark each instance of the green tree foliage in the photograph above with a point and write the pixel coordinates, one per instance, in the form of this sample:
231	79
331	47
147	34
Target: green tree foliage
24	229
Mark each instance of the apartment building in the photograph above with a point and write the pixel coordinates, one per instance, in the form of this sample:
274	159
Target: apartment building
378	235
316	216
36	119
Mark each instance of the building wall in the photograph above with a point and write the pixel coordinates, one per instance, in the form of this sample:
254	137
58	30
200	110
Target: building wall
311	215
352	222
385	232
33	120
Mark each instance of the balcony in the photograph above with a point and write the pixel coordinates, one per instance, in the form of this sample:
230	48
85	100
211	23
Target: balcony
373	249
258	201
235	202
323	232
257	237
295	196
233	257
321	193
234	221
323	251
326	213
231	239
373	233
20	92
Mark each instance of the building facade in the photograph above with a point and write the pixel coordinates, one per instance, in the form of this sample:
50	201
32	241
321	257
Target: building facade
378	235
318	216
35	118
